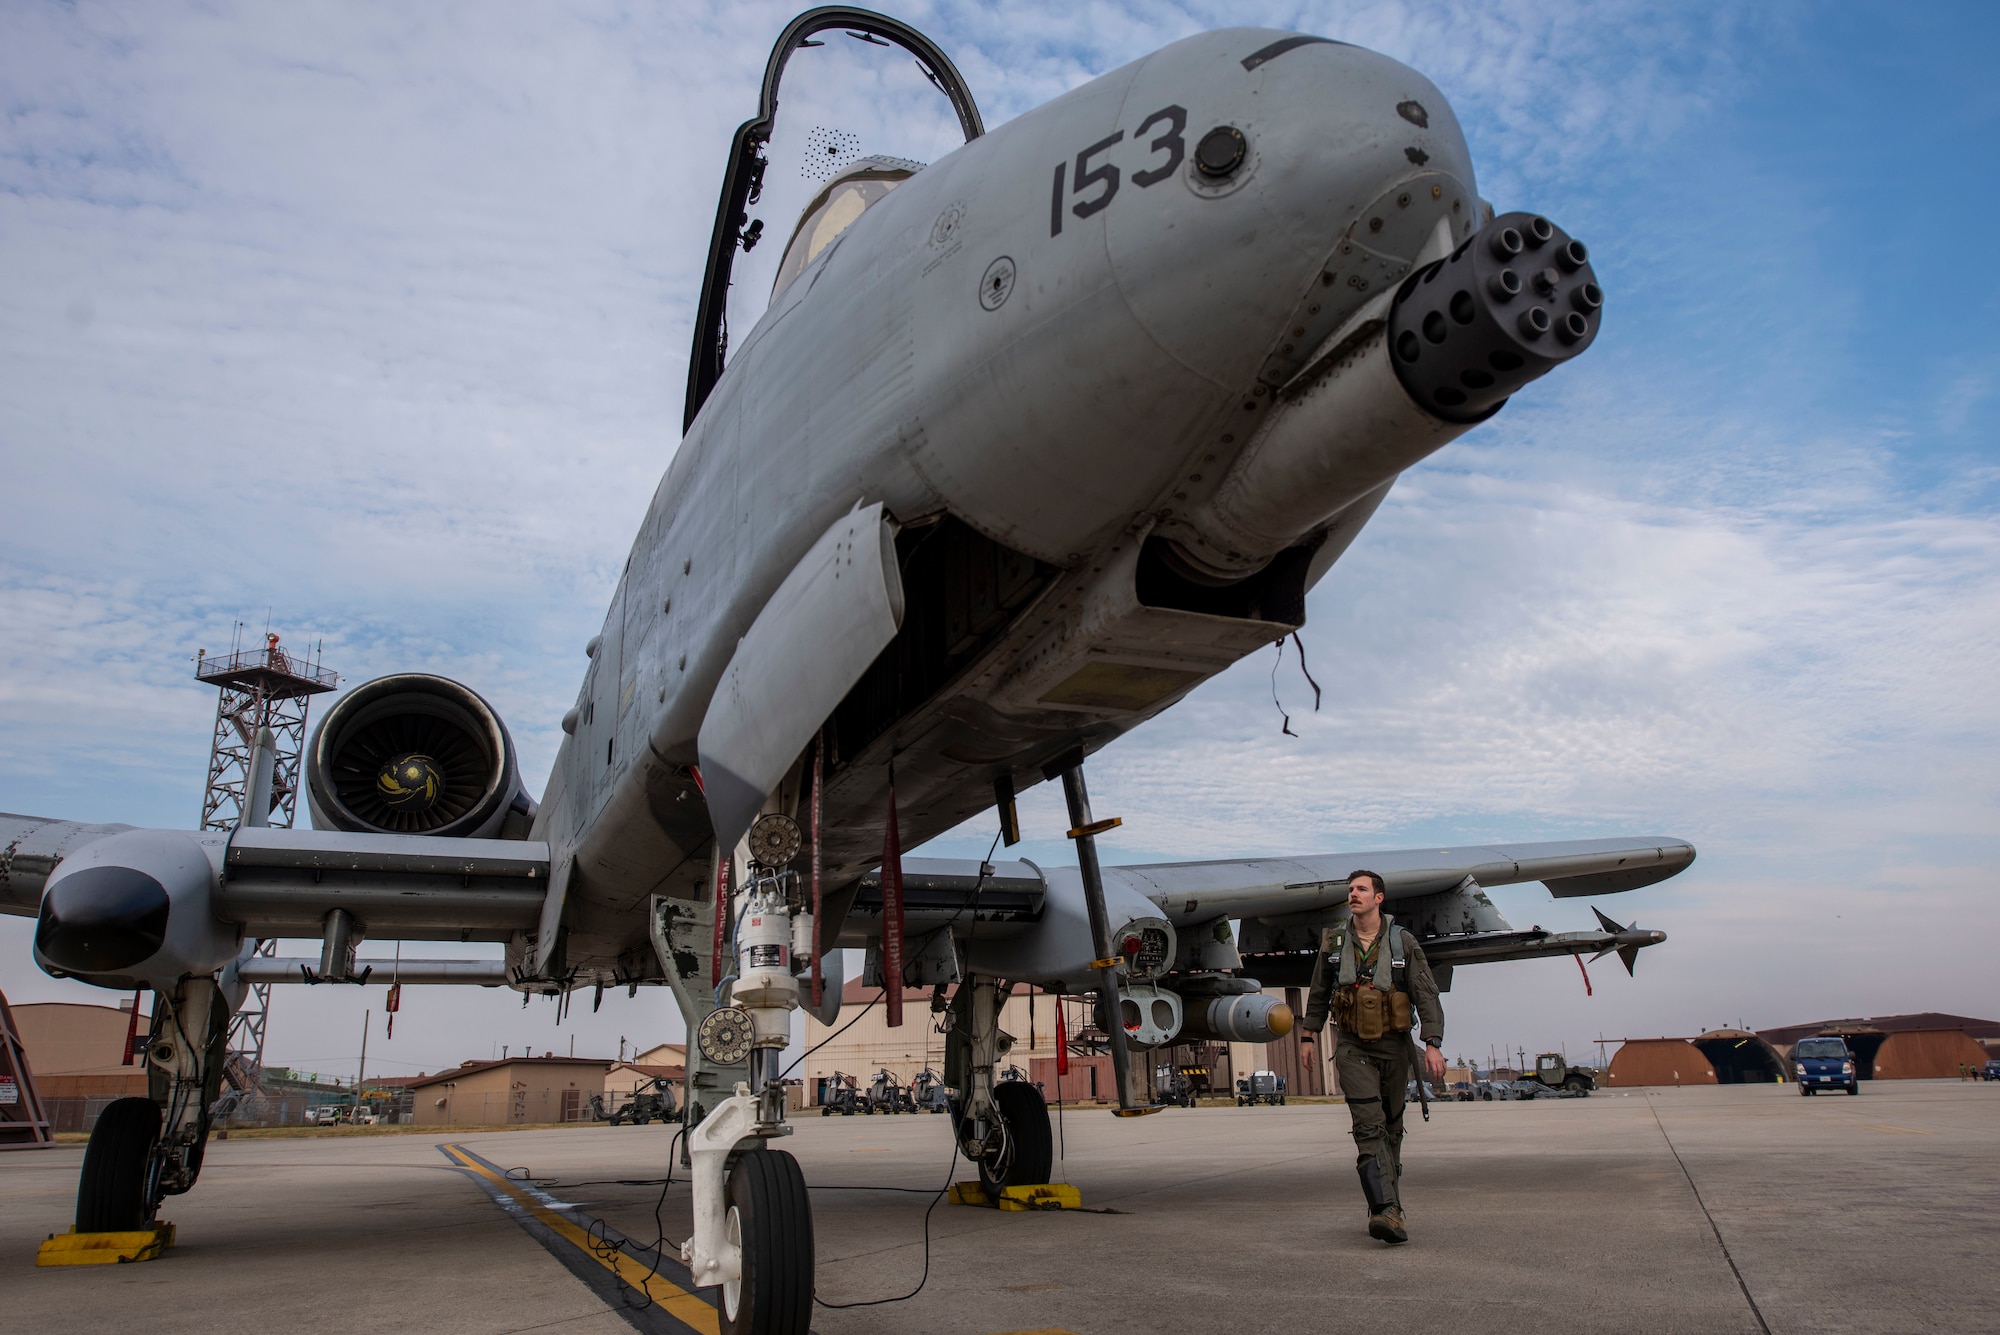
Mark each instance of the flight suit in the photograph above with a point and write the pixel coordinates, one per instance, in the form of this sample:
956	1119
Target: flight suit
1375	1070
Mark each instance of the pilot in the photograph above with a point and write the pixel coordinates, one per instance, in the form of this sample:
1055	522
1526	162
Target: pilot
1371	975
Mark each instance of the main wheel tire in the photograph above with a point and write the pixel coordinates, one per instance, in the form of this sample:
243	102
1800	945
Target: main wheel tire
1030	1143
111	1193
770	1217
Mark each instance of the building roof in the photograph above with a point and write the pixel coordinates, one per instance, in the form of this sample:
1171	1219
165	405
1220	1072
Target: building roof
1887	1024
652	1069
473	1068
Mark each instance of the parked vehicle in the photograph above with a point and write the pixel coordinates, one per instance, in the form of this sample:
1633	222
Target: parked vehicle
1175	1089
842	1097
1824	1063
1990	1071
886	1095
1551	1070
649	1101
929	1093
1260	1087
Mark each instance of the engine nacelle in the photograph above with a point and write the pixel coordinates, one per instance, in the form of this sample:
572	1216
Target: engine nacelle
1241	1019
416	754
136	909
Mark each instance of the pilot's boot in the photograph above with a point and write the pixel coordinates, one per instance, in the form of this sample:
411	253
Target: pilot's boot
1385	1215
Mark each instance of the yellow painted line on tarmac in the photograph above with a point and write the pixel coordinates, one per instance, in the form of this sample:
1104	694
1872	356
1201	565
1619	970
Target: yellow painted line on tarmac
676	1301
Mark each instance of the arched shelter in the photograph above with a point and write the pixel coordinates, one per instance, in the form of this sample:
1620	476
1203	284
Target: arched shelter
1741	1057
1659	1061
1927	1054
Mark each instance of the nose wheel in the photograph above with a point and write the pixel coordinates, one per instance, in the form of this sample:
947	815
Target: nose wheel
111	1194
770	1218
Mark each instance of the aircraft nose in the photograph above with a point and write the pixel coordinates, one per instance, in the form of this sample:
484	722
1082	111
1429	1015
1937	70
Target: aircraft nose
1315	173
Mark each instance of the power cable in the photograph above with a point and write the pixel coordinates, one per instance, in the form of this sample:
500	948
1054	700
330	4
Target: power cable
951	1163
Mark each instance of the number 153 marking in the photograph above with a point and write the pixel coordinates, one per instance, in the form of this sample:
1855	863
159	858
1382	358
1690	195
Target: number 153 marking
1101	182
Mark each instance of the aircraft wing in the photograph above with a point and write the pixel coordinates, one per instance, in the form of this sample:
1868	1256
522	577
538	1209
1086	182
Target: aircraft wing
1189	892
278	882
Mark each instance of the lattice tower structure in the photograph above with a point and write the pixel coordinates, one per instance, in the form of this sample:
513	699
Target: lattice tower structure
258	688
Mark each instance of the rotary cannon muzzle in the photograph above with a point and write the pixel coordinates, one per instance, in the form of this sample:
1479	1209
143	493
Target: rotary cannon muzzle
1510	304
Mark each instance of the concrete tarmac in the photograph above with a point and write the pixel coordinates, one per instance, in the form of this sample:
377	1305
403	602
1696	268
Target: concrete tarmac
1717	1209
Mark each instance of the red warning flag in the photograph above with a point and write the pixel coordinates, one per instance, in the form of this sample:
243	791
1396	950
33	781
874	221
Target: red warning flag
1062	1046
892	912
721	912
132	1027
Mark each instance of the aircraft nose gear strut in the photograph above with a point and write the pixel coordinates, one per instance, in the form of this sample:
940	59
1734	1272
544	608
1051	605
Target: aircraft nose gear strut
753	1231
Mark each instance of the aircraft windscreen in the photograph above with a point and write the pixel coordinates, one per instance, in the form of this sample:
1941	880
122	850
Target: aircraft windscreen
856	115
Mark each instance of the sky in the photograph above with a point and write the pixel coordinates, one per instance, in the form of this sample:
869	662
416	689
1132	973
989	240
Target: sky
372	320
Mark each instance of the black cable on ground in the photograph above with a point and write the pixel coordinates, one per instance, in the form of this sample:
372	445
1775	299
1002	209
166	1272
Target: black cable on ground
972	901
925	1278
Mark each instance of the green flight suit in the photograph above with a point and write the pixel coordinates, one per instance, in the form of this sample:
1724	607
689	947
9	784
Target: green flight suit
1375	1073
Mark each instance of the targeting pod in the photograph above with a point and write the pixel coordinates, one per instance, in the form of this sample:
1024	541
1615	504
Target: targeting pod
1244	1019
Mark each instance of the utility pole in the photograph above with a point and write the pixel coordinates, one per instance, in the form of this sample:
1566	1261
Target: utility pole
361	1073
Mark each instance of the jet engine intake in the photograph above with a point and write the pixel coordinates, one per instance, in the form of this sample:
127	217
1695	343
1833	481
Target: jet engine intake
135	909
1243	1019
415	754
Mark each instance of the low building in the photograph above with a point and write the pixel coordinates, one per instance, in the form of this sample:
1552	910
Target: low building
78	1051
516	1091
865	1044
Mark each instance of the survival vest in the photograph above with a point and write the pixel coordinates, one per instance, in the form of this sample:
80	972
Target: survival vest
1369	1007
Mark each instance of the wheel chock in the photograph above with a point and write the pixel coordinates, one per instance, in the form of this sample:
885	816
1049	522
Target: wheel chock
74	1248
1042	1196
968	1193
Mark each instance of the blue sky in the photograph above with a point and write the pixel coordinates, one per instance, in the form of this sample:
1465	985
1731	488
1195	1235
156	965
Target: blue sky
378	318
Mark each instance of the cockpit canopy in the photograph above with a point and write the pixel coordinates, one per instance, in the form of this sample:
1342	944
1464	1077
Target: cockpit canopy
834	209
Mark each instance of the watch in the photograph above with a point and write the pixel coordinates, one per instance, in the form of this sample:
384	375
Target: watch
1433	1042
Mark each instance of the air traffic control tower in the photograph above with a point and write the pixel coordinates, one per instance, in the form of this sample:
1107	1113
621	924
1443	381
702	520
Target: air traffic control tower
253	779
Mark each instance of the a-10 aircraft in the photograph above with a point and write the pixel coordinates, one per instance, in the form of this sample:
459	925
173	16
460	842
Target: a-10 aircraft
1031	441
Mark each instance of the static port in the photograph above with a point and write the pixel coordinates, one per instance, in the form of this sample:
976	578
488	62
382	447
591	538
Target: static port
1505	285
1534	322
